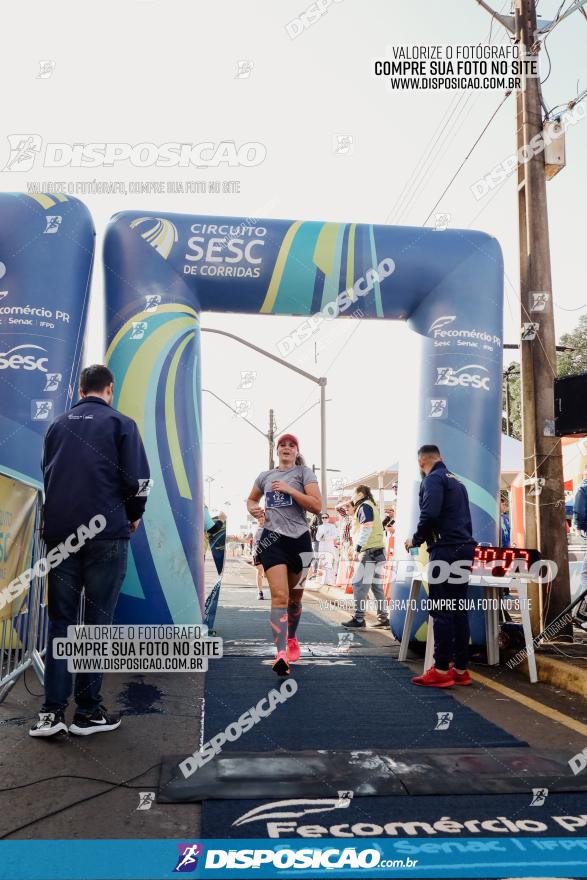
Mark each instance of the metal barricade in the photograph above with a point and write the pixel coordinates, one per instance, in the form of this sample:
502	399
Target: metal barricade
23	637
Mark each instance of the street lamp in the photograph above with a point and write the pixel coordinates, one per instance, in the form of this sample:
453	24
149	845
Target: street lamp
268	437
318	380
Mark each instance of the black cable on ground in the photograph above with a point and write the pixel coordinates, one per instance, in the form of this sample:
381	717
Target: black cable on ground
32	693
75	803
76	776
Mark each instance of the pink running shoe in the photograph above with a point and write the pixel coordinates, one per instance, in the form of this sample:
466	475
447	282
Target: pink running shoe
281	666
293	650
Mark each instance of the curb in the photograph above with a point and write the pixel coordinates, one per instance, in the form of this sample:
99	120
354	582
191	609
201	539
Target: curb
558	673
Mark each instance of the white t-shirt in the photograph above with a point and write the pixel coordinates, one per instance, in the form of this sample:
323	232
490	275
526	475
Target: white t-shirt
326	535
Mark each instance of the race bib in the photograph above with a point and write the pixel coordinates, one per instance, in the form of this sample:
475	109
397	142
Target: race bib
278	499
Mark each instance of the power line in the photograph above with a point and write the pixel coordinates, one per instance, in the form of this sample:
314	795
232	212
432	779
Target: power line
461	166
449	134
398	207
407	197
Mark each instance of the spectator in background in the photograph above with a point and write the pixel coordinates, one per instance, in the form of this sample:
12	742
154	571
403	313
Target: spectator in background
327	535
345	528
256	558
389	520
369	541
506	530
314	523
94	465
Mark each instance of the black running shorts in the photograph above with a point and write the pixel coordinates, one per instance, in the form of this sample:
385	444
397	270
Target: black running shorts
276	549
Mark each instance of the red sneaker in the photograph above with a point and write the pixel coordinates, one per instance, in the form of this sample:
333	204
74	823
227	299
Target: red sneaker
281	666
432	678
293	650
462	678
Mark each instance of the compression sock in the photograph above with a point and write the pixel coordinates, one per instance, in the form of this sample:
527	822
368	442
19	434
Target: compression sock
279	626
294	612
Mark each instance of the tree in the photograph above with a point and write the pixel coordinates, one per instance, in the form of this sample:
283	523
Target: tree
511	376
573	362
568	363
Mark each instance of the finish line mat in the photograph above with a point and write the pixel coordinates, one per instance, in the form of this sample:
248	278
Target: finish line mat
312	774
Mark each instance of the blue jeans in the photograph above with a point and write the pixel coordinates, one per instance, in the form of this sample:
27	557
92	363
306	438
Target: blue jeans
451	627
99	567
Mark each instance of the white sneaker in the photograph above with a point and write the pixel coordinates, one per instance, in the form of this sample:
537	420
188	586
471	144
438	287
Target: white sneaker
49	724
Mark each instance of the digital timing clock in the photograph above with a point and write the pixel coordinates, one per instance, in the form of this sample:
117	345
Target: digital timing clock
499	560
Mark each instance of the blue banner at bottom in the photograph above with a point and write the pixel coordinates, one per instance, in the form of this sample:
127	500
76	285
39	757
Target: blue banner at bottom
378	857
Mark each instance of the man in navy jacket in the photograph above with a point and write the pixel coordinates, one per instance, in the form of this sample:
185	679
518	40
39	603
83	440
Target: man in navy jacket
445	526
96	478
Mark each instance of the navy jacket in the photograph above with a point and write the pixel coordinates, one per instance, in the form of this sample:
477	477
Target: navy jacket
445	517
93	459
580	507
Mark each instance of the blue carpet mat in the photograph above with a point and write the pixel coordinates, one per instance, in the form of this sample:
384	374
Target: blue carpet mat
342	703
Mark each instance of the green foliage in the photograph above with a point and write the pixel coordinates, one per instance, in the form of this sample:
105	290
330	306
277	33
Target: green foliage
513	381
569	363
572	362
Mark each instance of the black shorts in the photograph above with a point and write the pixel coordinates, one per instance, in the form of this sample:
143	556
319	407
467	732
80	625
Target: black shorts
275	549
256	560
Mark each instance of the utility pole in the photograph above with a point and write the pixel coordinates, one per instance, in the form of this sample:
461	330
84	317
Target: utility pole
544	502
543	467
271	438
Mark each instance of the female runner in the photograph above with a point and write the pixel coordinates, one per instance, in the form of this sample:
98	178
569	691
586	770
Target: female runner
285	547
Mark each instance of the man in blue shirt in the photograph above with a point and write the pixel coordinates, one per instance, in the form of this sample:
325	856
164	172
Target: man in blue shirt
96	480
445	526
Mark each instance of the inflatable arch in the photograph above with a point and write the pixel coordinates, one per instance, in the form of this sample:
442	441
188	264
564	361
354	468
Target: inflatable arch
163	270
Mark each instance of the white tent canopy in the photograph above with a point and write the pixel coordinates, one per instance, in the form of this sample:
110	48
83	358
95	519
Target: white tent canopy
511	465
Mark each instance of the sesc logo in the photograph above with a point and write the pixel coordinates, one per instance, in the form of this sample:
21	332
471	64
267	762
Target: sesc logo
18	358
463	377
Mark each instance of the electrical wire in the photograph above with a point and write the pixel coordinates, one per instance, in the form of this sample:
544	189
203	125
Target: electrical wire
402	203
570	104
461	166
84	800
549	63
449	136
32	693
76	776
420	171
